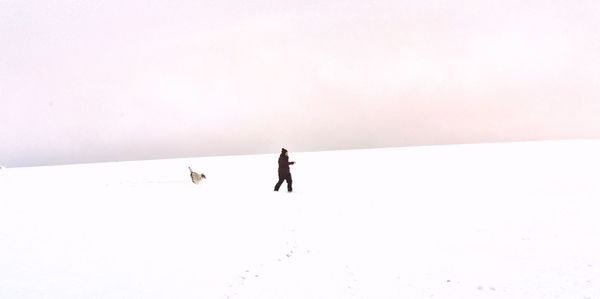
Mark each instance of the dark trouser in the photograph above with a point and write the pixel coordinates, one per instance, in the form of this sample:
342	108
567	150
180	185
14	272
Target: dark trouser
283	176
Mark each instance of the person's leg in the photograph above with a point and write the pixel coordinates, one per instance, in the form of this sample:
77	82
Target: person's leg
288	179
281	179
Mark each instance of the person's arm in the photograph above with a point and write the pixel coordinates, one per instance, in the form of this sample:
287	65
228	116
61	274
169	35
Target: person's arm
287	160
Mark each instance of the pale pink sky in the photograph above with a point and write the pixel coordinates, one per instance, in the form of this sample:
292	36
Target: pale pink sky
91	81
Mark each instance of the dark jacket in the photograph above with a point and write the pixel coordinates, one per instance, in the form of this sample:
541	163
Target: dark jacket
284	164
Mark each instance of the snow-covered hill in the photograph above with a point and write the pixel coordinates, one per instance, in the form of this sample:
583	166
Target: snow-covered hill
515	220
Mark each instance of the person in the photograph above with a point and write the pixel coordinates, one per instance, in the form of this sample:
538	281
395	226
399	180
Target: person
284	170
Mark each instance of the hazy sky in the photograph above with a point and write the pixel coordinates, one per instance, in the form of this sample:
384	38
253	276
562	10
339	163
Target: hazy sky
90	81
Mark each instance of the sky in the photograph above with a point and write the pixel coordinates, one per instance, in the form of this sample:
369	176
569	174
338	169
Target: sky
96	81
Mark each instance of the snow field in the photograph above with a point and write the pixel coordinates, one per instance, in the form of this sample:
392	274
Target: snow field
469	221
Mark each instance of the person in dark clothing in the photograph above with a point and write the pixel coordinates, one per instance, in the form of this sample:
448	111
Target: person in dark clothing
284	170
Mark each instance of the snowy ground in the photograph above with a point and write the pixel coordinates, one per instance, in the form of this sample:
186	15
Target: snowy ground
513	220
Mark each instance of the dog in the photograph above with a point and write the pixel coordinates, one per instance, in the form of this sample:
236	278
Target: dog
196	178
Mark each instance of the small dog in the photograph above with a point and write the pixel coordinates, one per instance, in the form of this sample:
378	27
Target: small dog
196	178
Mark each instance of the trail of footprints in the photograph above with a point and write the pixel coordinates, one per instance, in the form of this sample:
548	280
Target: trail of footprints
247	276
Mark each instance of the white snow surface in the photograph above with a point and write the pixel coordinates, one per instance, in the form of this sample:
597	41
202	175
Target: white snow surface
515	220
